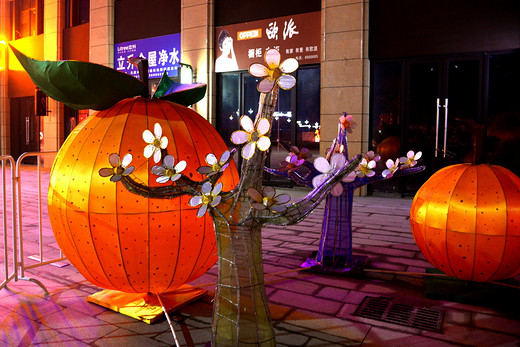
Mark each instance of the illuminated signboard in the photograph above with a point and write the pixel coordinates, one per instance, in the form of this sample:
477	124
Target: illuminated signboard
162	53
239	45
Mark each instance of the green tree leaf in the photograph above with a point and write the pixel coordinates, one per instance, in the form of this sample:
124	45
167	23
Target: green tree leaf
184	94
81	85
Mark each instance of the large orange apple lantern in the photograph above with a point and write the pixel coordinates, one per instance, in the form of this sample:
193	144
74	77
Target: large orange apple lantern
119	240
466	221
116	239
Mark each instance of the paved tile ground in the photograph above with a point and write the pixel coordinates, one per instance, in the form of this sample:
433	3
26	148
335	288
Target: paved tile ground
308	309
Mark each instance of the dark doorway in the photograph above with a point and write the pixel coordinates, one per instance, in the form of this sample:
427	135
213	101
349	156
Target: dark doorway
25	127
442	106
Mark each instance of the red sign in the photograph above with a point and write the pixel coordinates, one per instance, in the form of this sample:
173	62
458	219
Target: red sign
239	45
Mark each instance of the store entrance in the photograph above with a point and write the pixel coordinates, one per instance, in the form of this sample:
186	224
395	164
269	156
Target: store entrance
25	127
296	119
442	106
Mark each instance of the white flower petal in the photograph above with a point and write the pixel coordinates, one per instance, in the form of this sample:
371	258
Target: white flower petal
371	164
239	137
247	124
258	70
265	85
127	159
224	157
263	126
338	160
216	201
289	65
410	154
389	163
263	143
286	81
255	195
318	180
180	166
278	208
113	159
168	161
283	198
211	159
128	170
206	188
105	172
322	165
175	177
268	191
202	210
164	142
157	130
157	156
272	58
158	170
162	179
258	206
418	155
195	201
204	170
350	177
216	190
337	190
149	150
148	136
248	150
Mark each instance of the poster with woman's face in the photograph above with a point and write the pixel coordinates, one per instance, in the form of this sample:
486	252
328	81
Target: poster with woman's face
237	46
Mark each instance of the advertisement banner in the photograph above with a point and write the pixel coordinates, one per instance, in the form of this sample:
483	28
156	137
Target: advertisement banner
239	45
162	52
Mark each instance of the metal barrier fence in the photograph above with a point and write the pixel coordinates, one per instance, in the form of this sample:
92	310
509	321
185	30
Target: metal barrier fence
22	200
8	224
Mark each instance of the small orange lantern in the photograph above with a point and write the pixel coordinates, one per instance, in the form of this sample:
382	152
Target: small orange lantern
466	221
119	240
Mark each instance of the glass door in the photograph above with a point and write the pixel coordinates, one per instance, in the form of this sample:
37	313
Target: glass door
429	105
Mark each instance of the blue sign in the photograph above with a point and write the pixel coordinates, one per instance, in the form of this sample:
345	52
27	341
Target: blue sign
162	53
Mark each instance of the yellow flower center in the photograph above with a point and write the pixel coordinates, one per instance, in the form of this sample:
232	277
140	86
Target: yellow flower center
275	73
118	170
267	201
254	136
207	199
157	142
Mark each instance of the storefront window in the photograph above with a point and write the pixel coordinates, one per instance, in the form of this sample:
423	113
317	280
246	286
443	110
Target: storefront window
76	12
28	18
296	118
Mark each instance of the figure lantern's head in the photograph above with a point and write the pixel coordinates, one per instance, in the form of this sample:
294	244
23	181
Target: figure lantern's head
466	221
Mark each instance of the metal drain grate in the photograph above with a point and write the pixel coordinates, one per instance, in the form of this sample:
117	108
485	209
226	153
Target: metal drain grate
383	309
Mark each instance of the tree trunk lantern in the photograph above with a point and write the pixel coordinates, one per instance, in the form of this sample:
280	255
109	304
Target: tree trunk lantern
466	221
119	240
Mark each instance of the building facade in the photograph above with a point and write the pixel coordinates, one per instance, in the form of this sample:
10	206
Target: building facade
384	62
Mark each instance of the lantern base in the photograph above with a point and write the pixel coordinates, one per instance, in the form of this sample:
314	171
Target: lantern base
146	306
485	294
354	269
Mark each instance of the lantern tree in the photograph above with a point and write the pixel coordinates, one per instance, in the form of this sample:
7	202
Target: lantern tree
241	313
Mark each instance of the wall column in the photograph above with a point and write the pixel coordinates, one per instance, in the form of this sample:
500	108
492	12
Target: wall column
54	22
197	30
345	71
102	32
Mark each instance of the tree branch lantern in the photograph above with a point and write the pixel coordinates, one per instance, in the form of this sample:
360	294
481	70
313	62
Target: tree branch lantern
334	254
